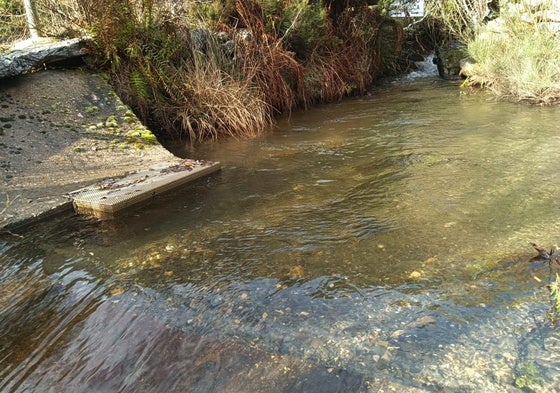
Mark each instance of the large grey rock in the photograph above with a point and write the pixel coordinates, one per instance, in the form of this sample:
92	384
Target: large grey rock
21	61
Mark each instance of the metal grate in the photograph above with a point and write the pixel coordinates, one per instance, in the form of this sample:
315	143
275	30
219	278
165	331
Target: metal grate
112	195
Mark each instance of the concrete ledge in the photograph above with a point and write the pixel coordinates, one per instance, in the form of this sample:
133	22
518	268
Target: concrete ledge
50	208
61	130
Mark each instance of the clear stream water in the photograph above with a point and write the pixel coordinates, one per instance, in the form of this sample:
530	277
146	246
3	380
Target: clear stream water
378	244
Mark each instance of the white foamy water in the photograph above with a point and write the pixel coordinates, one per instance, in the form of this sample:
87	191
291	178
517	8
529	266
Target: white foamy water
426	69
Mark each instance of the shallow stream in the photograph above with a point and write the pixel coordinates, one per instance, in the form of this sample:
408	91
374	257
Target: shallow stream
378	244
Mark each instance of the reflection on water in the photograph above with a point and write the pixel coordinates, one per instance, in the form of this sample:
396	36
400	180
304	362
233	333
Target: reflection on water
376	244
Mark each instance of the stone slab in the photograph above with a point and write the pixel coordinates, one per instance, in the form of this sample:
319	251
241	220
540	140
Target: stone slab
27	58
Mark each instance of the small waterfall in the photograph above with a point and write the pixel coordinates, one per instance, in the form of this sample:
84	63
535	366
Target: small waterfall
426	68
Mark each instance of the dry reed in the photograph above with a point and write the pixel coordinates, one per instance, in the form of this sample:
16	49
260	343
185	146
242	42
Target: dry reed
266	64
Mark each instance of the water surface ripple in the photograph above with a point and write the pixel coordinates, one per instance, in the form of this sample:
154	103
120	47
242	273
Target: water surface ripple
378	244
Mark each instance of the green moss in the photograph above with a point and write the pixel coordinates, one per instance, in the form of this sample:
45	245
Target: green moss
128	117
142	136
528	376
112	121
92	109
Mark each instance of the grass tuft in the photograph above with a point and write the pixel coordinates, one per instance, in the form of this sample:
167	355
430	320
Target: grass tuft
518	65
516	48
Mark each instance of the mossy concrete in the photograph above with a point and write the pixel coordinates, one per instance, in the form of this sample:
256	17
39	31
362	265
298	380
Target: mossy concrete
61	130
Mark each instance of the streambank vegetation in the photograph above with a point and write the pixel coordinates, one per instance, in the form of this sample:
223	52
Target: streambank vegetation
204	70
201	70
514	46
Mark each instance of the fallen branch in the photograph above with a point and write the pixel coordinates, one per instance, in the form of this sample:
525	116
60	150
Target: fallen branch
551	256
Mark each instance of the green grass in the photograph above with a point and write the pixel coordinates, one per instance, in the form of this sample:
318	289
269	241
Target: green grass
554	288
517	59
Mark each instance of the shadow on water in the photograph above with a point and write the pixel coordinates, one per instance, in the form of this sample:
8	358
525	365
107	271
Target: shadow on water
373	245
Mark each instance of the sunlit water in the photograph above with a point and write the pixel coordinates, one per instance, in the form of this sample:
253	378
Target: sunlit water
379	244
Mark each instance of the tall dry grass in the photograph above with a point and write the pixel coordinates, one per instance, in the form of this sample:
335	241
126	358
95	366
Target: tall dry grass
58	19
462	19
266	64
223	107
345	60
202	70
363	34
